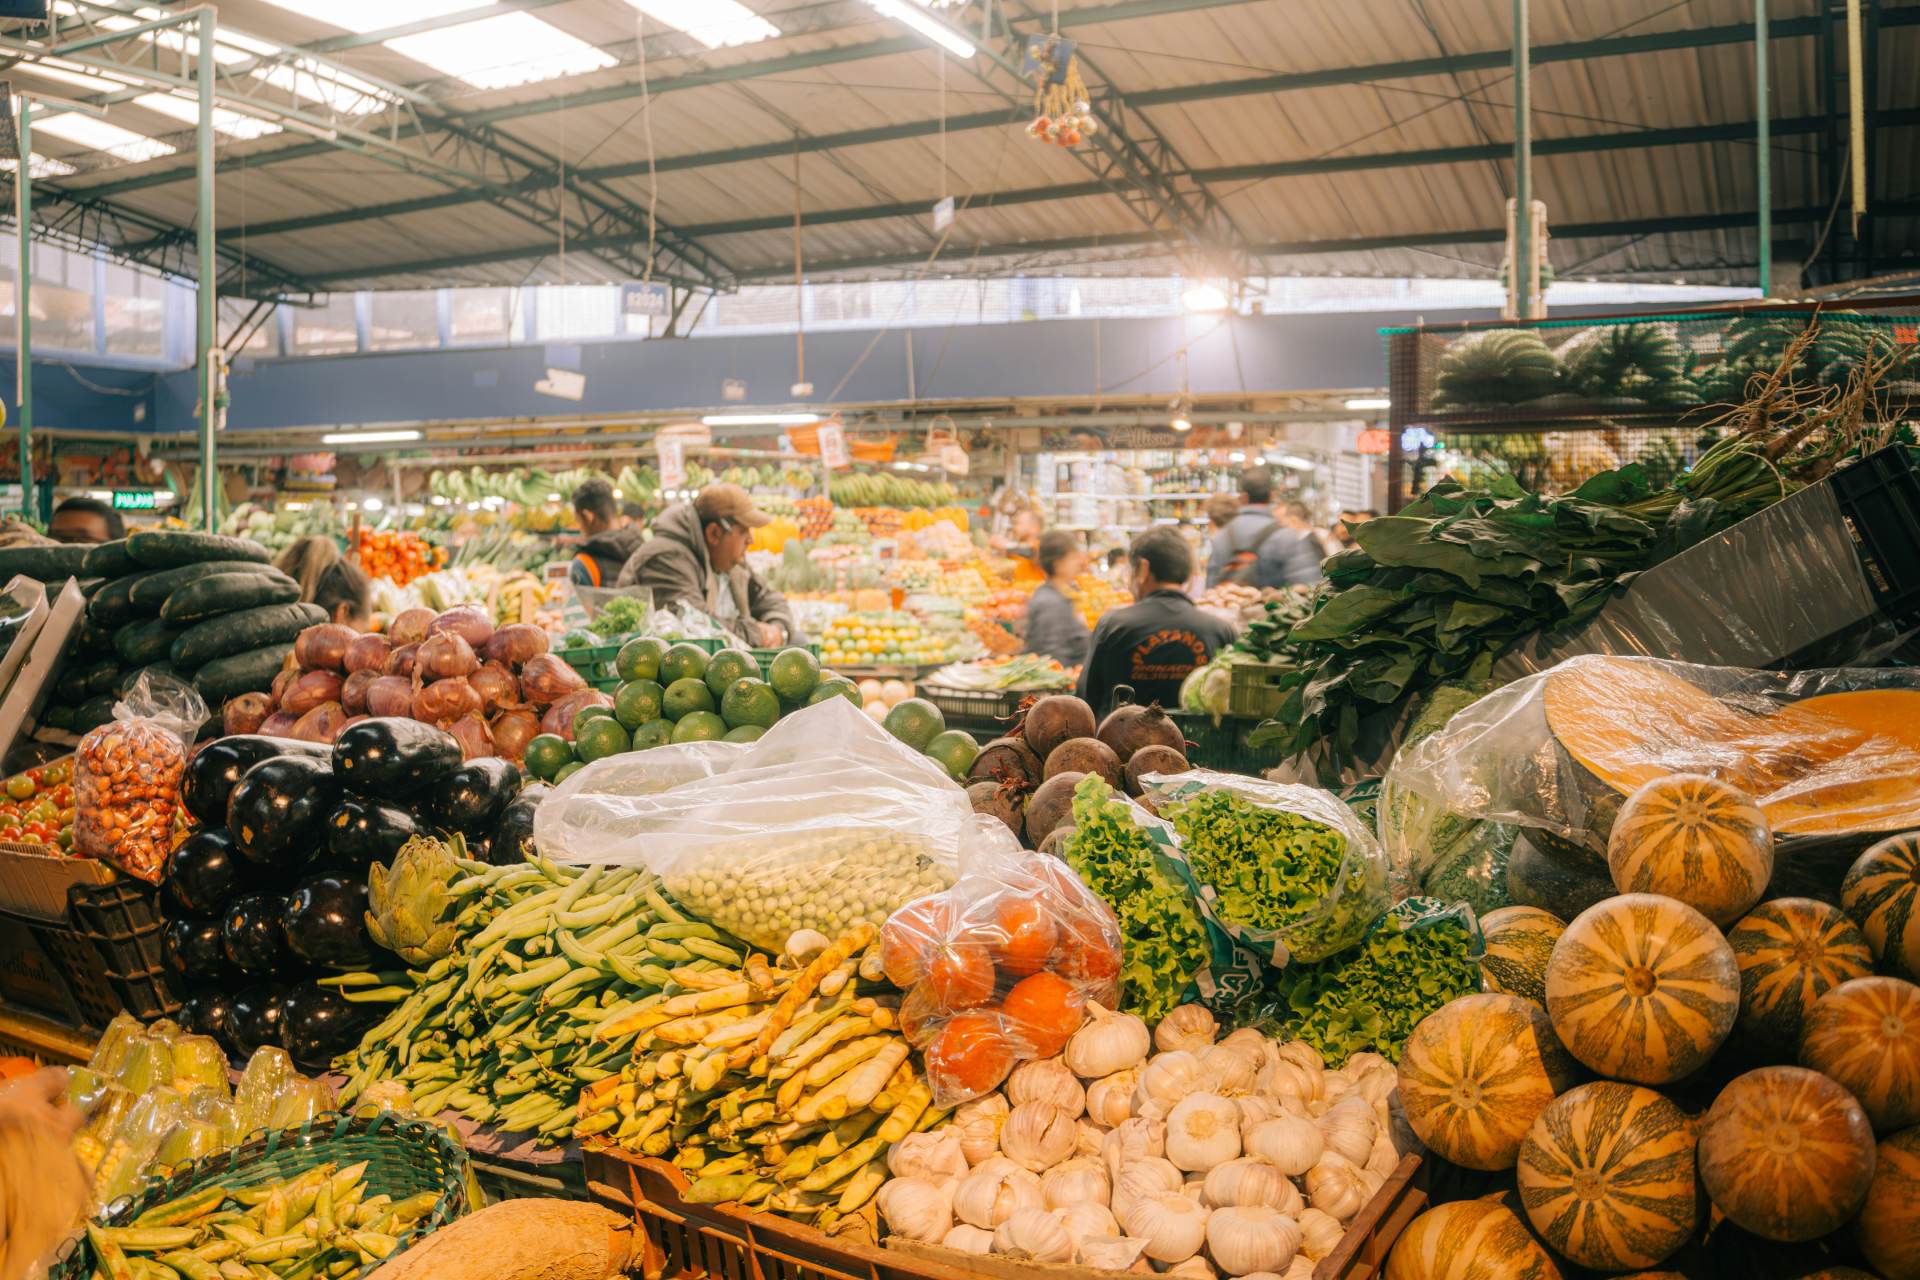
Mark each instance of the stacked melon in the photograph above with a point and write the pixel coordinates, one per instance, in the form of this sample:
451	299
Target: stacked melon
1768	1065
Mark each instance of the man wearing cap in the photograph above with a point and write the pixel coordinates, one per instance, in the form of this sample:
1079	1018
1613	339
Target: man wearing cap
698	555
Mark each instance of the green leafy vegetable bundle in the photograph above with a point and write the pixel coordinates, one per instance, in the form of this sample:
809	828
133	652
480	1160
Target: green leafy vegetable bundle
1373	996
1269	868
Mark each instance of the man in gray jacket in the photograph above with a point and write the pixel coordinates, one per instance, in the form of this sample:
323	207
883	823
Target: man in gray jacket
1262	548
698	555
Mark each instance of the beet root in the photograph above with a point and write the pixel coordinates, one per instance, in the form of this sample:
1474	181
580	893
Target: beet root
1055	845
1006	760
999	799
1051	806
1087	755
1153	759
1054	719
1133	728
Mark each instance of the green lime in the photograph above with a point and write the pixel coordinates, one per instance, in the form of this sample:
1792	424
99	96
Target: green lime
700	726
684	697
639	658
547	754
837	687
953	750
600	737
569	770
585	714
744	733
682	662
794	673
654	733
637	701
727	666
750	700
914	721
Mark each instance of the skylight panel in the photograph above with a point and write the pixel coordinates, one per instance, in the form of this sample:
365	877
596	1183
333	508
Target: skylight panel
122	144
362	16
79	77
503	51
186	110
716	24
42	167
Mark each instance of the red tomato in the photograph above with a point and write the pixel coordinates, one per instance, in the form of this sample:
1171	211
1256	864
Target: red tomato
1027	930
959	976
970	1056
909	937
1043	1012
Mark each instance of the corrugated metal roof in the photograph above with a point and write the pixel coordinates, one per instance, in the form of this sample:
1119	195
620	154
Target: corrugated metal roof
1344	140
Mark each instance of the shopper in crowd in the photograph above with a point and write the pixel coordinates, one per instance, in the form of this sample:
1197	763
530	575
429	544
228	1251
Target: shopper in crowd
698	556
329	580
1116	567
1260	547
1349	520
1298	561
1155	642
43	1188
1054	628
1221	509
608	537
85	520
1022	539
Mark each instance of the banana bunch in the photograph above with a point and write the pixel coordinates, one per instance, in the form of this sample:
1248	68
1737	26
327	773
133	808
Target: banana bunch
883	489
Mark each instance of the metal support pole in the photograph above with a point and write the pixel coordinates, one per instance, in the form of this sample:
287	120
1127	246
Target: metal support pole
1523	275
205	334
22	306
1856	113
1763	159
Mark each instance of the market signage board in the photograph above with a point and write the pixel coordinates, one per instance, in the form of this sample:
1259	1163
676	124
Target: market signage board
654	301
134	500
833	446
673	461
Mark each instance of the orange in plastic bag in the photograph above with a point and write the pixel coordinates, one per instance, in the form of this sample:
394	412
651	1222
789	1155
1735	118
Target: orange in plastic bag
126	777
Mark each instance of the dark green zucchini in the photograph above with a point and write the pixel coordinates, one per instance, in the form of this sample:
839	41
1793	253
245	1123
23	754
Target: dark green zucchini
237	632
93	713
92	637
72	684
109	560
112	606
53	563
240	673
58	715
102	677
226	593
169	548
152	591
144	642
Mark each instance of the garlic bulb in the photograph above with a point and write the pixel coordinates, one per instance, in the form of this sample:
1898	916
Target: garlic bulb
916	1208
1131	1140
1348	1128
1257	1047
1252	1180
1283	1079
996	1163
928	1155
1370	1183
1110	1098
1038	1135
1383	1159
1047	1080
1302	1054
1195	1188
1188	1027
1106	1043
1173	1226
1088	1220
1169	1077
1087	1137
1320	1233
1033	1234
978	1124
1141	1179
1203	1131
1336	1187
1077	1181
1290	1142
1248	1238
1227	1070
1366	1064
987	1198
1301	1268
1111	1253
1376	1086
968	1238
1255	1107
1195	1268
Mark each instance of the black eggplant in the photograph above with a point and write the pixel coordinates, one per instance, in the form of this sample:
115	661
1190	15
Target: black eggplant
318	1024
325	922
471	799
205	873
513	837
254	1015
479	848
196	948
253	934
361	832
215	770
388	756
278	813
205	1013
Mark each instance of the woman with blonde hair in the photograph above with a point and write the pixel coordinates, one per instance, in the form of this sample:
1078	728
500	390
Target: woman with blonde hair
43	1189
329	580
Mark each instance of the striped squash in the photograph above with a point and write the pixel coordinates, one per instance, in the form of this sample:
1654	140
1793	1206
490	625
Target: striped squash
1792	951
1469	1240
1642	988
1606	1176
1519	943
1475	1073
1866	1035
1696	839
1882	894
1888	1227
1786	1153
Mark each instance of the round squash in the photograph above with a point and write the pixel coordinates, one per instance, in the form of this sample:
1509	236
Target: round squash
1476	1072
1606	1176
1695	839
1865	1034
1792	951
1888	1227
1519	944
1642	988
1786	1153
1469	1240
1882	893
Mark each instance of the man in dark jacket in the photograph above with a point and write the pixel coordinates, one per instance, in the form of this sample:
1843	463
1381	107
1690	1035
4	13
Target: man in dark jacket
608	538
698	555
1155	642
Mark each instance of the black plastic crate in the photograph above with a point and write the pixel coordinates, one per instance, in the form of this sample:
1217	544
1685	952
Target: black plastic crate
975	708
1880	497
123	926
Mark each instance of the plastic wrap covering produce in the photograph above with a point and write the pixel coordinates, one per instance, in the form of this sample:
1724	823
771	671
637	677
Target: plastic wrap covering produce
126	776
826	821
999	968
1291	871
1832	757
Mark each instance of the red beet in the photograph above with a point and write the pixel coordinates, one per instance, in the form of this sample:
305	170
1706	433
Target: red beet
1087	755
1055	845
1155	758
1000	799
1005	760
1051	806
1132	728
1054	719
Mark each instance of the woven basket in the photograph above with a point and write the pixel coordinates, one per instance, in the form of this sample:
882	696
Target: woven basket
404	1158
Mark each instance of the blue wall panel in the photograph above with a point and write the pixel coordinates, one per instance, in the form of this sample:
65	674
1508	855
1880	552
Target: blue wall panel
83	396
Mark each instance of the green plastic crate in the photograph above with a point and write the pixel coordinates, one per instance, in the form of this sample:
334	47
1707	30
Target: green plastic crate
594	663
1224	746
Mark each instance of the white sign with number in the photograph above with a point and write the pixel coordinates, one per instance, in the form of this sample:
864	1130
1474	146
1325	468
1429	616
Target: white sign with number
673	462
833	446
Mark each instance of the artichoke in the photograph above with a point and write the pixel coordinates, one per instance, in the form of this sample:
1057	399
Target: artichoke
410	910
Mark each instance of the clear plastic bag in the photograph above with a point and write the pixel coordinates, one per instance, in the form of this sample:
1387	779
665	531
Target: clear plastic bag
826	821
1290	871
126	776
266	1076
299	1101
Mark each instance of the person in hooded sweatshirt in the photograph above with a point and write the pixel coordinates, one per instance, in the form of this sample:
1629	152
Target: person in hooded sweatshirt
698	555
608	538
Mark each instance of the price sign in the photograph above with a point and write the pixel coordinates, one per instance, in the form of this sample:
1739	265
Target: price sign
1374	441
833	446
134	500
673	462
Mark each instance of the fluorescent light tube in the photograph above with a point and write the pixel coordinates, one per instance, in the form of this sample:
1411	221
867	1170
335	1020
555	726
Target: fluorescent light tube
908	14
